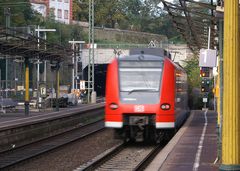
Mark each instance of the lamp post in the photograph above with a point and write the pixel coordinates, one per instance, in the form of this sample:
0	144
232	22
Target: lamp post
75	61
38	30
7	13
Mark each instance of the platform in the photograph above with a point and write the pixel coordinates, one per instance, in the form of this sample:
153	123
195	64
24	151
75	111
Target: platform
18	117
193	148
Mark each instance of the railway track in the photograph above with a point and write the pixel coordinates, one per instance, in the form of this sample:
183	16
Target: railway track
26	130
123	157
17	155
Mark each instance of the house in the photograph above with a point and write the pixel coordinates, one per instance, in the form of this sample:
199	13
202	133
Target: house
60	9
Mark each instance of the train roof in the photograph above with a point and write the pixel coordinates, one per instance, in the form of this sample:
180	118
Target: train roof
145	54
141	57
150	51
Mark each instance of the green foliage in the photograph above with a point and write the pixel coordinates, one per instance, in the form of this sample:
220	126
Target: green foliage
64	32
194	81
21	13
193	72
137	15
108	13
177	40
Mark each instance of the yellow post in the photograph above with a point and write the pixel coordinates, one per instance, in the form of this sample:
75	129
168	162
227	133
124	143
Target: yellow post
217	96
231	115
26	86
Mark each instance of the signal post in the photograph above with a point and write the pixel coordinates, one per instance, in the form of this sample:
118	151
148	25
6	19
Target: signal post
231	115
205	84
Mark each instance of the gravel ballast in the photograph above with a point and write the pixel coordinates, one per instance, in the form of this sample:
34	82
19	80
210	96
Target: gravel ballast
71	156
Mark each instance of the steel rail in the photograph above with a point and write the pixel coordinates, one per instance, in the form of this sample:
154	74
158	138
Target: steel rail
110	159
146	161
107	156
12	157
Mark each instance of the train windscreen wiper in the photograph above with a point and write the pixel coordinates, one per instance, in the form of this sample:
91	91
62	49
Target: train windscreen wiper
142	90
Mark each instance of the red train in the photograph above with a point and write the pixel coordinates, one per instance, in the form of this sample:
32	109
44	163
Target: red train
146	95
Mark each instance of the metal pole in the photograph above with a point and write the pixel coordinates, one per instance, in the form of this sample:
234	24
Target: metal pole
209	37
89	50
57	86
0	81
38	35
15	78
45	62
73	47
7	14
80	56
214	80
91	53
6	76
76	67
231	110
26	87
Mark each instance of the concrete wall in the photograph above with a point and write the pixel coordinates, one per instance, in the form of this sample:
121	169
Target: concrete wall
102	56
179	52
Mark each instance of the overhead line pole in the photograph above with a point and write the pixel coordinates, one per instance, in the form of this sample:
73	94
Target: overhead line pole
91	93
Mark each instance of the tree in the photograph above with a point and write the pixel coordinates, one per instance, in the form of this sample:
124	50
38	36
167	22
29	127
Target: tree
193	72
21	12
137	15
108	13
194	81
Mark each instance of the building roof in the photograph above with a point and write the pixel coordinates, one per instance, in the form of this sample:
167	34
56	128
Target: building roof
192	19
17	44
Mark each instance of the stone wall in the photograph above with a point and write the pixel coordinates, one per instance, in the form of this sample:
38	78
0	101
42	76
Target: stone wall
125	36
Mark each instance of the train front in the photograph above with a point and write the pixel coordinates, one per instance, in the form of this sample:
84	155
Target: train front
133	97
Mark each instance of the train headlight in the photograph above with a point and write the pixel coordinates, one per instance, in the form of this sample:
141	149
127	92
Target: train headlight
165	106
113	106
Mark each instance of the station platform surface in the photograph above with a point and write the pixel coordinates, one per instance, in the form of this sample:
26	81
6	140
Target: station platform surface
18	116
193	148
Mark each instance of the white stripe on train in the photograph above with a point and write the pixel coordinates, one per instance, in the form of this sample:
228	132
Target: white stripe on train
114	124
165	124
158	124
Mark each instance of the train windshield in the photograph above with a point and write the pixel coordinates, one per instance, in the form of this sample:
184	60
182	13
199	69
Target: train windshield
143	76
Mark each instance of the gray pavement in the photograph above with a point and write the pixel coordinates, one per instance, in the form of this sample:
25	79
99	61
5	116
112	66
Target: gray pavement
193	148
19	112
